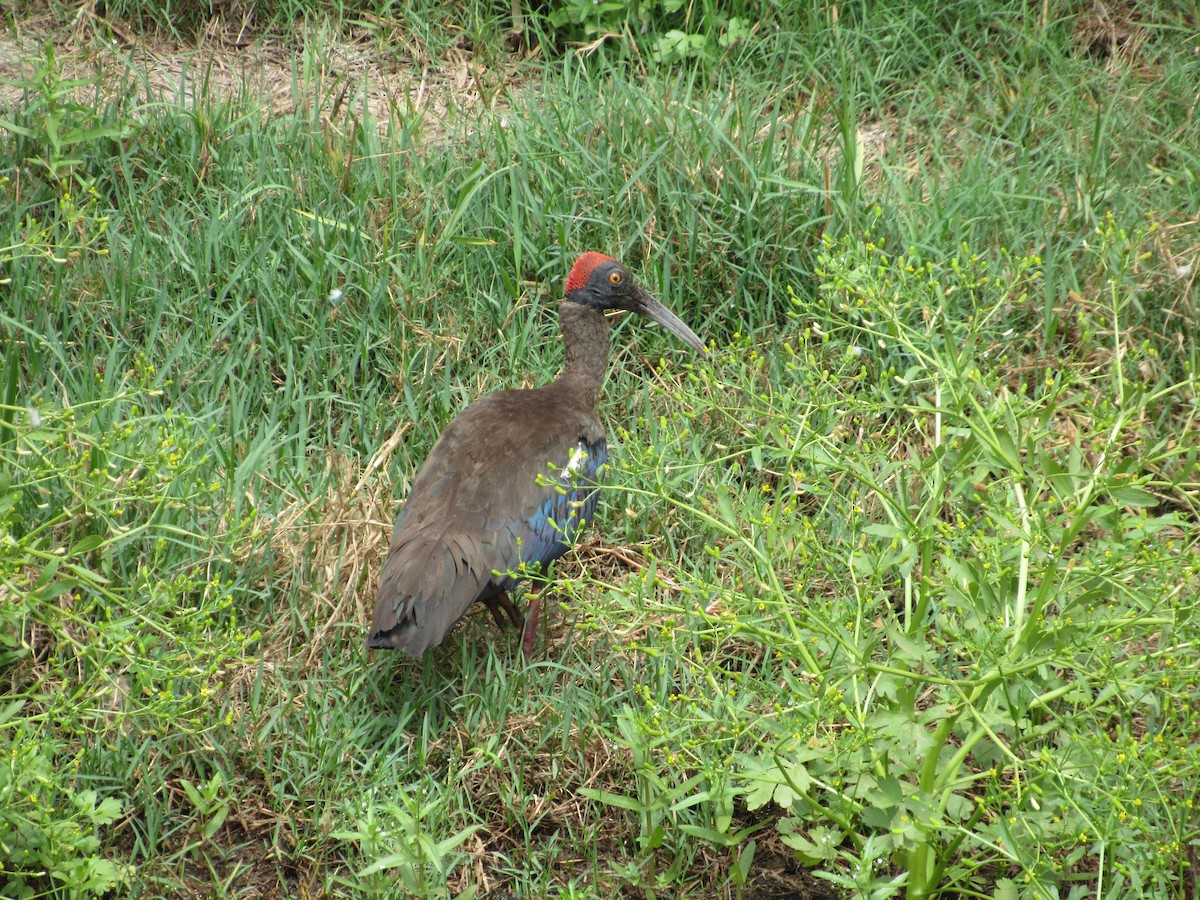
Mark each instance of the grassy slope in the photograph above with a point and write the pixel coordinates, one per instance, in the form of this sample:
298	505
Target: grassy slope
903	580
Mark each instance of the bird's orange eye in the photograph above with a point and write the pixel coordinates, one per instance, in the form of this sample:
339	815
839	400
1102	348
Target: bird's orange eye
614	278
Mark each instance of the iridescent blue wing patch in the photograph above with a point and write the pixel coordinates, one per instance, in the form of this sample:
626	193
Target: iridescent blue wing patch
568	507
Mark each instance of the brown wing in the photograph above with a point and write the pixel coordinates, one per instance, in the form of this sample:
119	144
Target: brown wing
469	510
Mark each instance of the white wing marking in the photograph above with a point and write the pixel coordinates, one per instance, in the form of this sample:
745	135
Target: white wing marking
574	464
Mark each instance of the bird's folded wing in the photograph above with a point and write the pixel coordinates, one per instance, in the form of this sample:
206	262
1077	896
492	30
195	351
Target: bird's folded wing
475	516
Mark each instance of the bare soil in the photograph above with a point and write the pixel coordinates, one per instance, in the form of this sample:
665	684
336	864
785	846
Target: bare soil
323	74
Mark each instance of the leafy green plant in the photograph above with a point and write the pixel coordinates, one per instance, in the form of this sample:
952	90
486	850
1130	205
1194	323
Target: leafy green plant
662	803
50	129
678	30
400	840
77	228
92	497
210	803
1000	536
947	651
50	832
53	125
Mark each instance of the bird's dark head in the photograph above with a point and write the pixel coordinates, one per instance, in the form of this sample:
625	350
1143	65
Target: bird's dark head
601	282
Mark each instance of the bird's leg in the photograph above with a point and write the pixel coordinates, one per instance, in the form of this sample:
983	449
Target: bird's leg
499	604
531	620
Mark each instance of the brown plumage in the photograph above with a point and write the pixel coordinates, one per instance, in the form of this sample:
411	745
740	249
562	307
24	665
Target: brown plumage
511	481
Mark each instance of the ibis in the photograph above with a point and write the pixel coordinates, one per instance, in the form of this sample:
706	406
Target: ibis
512	480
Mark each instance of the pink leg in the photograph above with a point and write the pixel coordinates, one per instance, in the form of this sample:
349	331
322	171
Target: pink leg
531	621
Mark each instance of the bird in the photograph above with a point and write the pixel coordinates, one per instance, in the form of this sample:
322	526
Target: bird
511	482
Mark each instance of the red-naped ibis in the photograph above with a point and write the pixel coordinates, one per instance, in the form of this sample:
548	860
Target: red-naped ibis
511	481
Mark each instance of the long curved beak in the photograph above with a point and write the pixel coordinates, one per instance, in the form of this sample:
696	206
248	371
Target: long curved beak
656	312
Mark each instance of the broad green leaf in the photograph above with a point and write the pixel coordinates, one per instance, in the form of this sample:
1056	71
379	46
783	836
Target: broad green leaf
11	710
86	544
608	798
882	529
760	795
1131	495
214	824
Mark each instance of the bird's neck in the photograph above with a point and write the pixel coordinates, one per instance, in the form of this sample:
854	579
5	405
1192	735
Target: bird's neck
585	334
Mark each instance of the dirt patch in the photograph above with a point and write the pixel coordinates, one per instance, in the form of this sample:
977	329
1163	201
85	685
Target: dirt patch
314	72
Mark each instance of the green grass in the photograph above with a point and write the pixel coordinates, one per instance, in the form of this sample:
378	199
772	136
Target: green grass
896	594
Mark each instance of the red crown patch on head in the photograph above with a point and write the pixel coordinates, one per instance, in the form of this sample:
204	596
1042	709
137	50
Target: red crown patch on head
582	270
